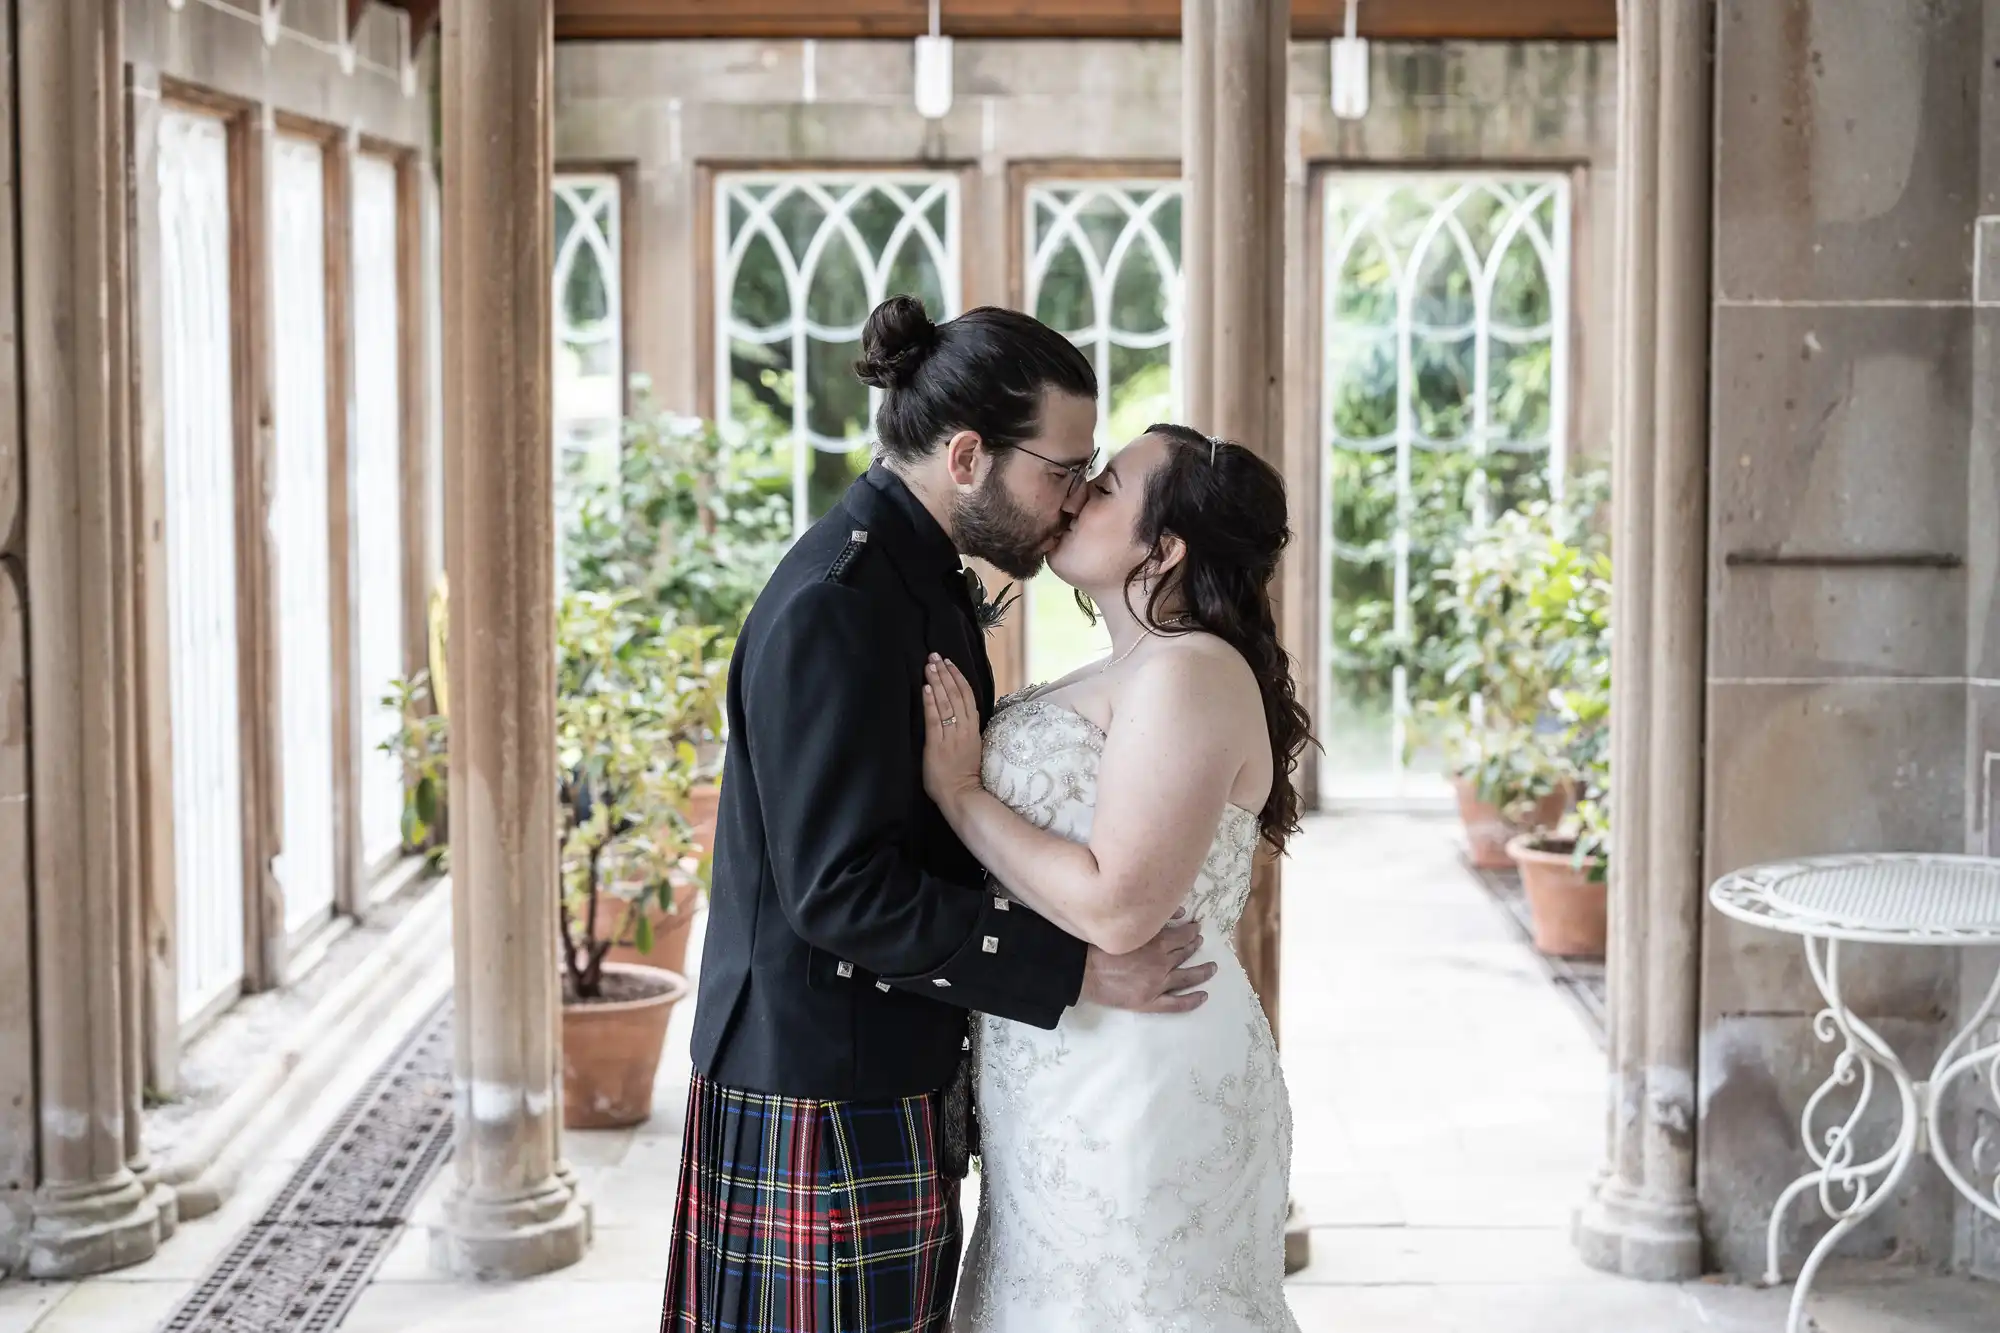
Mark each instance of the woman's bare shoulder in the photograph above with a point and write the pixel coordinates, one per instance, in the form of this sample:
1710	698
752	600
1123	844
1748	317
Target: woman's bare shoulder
1203	656
1197	669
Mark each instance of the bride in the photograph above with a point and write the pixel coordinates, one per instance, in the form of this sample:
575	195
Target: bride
1134	1167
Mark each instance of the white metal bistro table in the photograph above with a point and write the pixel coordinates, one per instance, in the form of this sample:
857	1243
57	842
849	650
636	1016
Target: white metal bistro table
1904	898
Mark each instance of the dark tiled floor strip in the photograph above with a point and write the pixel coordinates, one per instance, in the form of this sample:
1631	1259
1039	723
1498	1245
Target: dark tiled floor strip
1582	979
302	1264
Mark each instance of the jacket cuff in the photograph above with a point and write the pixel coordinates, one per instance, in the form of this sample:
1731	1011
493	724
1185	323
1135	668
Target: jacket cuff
1018	965
996	1004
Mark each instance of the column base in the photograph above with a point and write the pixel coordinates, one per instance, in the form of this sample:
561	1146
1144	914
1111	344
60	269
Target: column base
1620	1231
565	1175
1298	1239
80	1230
505	1238
167	1203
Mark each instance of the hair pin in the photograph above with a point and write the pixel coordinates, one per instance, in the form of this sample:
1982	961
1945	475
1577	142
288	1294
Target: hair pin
1212	443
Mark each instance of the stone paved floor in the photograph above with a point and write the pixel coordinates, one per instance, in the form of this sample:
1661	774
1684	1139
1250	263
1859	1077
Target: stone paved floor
1449	1110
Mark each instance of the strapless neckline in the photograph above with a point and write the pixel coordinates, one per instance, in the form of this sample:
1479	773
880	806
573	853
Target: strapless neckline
1028	700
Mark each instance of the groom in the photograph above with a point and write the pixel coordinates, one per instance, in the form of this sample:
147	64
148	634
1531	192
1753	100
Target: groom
849	931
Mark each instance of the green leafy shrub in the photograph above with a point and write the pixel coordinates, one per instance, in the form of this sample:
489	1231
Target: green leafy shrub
636	699
694	522
1573	604
1522	700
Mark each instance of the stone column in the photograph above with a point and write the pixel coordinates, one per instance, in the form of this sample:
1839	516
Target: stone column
90	1212
510	1214
128	597
17	992
1641	1218
17	975
1234	68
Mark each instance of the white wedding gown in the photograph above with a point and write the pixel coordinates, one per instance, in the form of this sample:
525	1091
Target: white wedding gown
1134	1167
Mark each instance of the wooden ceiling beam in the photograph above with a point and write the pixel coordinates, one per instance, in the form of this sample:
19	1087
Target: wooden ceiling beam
1387	20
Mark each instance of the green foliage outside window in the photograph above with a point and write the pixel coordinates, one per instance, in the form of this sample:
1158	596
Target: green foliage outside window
1441	342
813	254
695	521
1446	486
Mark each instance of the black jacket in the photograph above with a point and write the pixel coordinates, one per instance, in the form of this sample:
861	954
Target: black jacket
848	928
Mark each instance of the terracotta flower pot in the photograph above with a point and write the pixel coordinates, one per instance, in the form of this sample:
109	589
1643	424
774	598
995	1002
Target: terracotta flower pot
671	930
611	1048
1487	830
704	804
1569	910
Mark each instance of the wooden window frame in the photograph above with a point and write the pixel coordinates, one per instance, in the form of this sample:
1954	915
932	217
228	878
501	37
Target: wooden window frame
1305	468
1025	172
369	885
705	176
331	140
272	955
630	254
706	173
247	139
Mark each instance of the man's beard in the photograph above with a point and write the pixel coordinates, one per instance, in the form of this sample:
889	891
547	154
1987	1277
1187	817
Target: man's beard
990	526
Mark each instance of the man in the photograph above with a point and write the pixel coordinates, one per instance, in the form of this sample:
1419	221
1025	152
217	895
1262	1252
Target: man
849	930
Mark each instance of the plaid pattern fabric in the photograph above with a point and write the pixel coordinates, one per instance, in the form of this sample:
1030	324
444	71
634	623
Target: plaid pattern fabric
801	1216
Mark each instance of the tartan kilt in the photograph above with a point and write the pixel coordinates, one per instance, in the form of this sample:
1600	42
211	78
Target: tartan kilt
803	1216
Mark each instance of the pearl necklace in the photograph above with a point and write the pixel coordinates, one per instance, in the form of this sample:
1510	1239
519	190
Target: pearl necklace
1175	622
1037	691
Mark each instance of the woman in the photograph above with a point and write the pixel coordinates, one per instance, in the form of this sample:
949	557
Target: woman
1134	1168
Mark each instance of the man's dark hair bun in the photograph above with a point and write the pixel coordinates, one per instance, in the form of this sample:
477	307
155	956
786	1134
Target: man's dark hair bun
895	342
986	371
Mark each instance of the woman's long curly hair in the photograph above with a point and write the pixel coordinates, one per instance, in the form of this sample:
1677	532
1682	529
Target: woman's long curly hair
1228	508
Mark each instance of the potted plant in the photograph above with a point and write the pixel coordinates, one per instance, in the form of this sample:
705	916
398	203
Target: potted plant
1563	875
628	688
650	923
1564	863
1491	707
422	741
694	522
631	692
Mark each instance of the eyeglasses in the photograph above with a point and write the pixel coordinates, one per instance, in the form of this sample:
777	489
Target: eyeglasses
1078	472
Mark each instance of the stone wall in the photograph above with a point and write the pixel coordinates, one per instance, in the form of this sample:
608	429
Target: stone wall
1851	708
671	108
666	112
1979	1130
